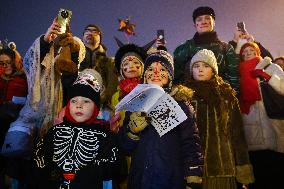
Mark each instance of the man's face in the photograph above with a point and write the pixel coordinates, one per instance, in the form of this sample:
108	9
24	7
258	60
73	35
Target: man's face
204	23
91	36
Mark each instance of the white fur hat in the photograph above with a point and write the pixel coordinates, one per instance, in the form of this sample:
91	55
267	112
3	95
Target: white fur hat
206	56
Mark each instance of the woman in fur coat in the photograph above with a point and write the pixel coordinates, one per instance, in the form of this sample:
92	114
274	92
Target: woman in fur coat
219	122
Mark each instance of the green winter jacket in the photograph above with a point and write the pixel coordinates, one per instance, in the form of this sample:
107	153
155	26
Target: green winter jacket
227	59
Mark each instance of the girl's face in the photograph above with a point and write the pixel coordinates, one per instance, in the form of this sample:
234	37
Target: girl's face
131	67
202	71
157	74
6	63
249	53
81	108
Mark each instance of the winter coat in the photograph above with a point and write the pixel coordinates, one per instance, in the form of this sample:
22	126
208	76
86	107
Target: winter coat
263	133
98	60
15	86
89	151
164	162
227	59
221	131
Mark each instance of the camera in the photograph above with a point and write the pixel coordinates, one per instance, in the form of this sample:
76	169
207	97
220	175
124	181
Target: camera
63	18
161	35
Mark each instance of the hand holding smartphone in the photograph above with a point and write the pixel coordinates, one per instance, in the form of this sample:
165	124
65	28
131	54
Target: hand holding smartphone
242	27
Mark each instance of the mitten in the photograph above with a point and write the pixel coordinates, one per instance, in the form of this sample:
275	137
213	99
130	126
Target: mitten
193	182
182	93
66	39
260	73
63	62
138	121
240	43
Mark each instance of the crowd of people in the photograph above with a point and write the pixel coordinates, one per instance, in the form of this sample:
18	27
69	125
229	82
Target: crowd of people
60	128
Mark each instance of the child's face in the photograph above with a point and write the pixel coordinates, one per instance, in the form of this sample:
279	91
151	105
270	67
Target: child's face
202	71
249	53
131	67
157	74
81	108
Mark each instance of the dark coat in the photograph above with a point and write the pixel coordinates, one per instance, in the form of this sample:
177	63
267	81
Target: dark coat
164	162
87	150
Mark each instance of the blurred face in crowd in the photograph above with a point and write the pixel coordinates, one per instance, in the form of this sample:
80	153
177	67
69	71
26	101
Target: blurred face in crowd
157	74
202	71
6	64
91	37
81	108
249	53
204	23
280	62
131	67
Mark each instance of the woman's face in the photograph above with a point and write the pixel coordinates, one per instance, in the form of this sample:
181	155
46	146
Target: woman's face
131	67
81	108
157	74
249	53
6	63
202	71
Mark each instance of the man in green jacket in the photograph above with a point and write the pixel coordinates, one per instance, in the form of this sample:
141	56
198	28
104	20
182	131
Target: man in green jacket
206	38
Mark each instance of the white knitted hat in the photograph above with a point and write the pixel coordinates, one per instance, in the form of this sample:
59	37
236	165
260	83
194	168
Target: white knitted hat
206	56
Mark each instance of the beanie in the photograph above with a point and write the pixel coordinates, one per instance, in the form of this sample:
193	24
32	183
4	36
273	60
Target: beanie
203	11
88	84
249	44
166	60
206	56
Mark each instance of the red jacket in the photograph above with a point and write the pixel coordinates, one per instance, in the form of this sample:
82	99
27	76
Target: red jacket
15	86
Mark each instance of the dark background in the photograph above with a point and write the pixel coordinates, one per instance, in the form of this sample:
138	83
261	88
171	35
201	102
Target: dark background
23	21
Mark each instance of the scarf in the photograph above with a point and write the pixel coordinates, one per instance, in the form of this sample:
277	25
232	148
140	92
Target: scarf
127	85
248	85
205	38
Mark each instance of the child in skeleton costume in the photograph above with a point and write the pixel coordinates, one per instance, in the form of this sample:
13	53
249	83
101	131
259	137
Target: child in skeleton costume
162	162
220	125
80	152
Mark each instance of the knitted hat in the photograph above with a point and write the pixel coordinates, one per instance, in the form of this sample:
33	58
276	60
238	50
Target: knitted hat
88	84
203	11
129	50
251	44
166	60
206	56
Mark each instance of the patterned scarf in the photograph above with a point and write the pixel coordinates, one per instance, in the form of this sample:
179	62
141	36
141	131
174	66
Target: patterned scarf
248	84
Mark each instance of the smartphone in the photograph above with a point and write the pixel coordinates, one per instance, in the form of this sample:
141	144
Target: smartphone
63	18
161	36
242	26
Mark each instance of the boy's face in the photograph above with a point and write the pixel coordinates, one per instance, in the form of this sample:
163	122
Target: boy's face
131	67
204	23
157	74
202	71
249	53
81	108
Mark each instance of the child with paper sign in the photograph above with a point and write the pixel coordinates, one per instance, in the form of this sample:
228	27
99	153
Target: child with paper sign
165	156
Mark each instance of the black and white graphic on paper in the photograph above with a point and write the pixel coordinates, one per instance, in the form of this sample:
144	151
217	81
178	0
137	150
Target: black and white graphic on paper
166	114
75	147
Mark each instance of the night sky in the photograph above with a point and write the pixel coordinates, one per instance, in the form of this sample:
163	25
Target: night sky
23	21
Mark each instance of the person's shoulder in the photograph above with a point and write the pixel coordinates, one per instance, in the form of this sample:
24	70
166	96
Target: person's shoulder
183	45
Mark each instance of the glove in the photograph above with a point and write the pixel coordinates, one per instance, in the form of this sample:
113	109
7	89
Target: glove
138	122
182	93
260	73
